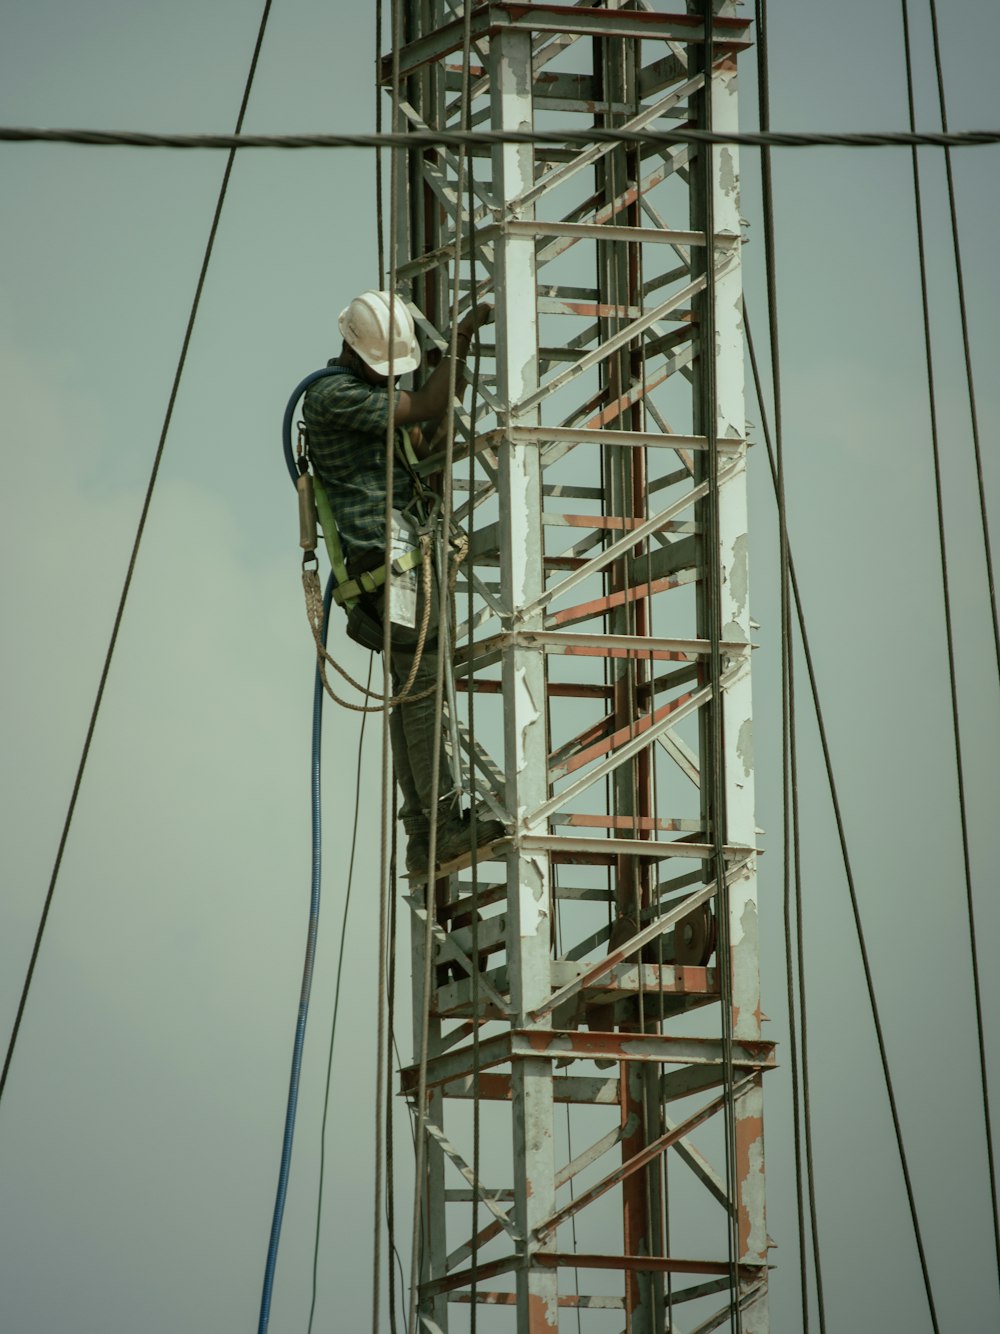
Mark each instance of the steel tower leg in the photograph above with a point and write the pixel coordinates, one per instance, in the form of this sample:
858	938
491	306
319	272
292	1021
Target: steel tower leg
620	1057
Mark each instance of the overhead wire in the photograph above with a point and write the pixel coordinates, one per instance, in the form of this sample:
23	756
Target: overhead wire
417	140
947	602
134	554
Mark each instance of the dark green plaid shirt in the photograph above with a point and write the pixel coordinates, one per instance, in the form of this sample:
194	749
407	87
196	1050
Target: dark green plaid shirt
347	419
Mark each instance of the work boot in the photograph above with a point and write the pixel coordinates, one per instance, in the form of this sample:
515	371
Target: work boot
416	852
455	835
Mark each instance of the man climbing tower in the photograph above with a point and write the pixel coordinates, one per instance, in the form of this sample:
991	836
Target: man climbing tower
347	416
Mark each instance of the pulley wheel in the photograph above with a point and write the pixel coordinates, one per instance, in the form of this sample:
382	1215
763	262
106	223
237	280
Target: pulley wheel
694	938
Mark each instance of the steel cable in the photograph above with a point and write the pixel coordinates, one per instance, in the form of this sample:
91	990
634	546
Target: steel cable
336	1011
390	1185
386	869
444	649
942	538
988	553
791	862
134	555
842	840
418	140
466	166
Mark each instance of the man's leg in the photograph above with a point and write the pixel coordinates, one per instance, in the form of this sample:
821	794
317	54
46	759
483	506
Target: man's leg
415	728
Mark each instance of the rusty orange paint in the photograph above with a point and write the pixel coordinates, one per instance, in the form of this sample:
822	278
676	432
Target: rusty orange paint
634	728
749	1131
596	607
540	1314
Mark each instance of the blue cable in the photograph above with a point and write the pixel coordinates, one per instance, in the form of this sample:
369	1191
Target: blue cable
307	970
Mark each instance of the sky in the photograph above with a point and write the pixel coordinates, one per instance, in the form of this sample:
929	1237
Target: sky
140	1129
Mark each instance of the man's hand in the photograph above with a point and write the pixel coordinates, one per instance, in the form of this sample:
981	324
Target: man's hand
431	401
475	319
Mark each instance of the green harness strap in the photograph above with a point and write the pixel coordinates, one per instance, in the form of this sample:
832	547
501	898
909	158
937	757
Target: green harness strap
349	590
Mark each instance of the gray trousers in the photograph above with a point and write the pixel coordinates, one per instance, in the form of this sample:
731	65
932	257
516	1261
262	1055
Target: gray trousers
413	726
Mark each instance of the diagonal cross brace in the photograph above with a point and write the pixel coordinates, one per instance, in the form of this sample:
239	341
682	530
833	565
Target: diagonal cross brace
638	743
449	950
610	345
631	539
637	942
450	1152
639	1160
593	154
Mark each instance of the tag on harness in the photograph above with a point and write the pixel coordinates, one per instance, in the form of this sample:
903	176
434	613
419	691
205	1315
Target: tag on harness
403	597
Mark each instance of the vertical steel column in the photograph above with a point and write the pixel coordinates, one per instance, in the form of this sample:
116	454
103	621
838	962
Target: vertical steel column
737	705
717	170
619	289
523	667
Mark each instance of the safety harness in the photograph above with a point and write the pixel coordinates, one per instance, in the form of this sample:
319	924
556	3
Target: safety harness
314	502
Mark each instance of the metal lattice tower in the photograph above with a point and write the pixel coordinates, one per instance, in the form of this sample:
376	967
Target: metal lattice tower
620	1059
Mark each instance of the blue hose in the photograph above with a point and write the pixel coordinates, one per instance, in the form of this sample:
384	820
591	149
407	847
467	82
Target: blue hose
307	970
307	975
286	424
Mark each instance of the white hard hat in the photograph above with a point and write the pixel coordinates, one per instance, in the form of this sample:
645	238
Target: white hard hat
367	328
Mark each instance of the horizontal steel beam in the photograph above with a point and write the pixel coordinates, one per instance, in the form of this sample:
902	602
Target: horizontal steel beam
729	35
649	647
586	1045
591	231
577	435
631	947
592	1090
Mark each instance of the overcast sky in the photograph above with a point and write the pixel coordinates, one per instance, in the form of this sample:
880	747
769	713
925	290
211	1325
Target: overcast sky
140	1131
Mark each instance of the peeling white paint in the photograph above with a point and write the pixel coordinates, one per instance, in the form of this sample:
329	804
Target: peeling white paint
744	747
729	179
534	908
738	578
527	710
745	935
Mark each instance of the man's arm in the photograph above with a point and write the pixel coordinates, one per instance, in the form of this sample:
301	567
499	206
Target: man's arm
430	401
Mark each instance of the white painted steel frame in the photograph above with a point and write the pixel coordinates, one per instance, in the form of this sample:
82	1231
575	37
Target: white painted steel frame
530	1005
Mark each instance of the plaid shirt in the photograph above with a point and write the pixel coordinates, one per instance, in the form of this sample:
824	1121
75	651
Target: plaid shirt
347	420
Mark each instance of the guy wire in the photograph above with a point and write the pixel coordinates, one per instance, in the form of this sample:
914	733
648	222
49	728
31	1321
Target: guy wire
842	836
792	884
134	555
